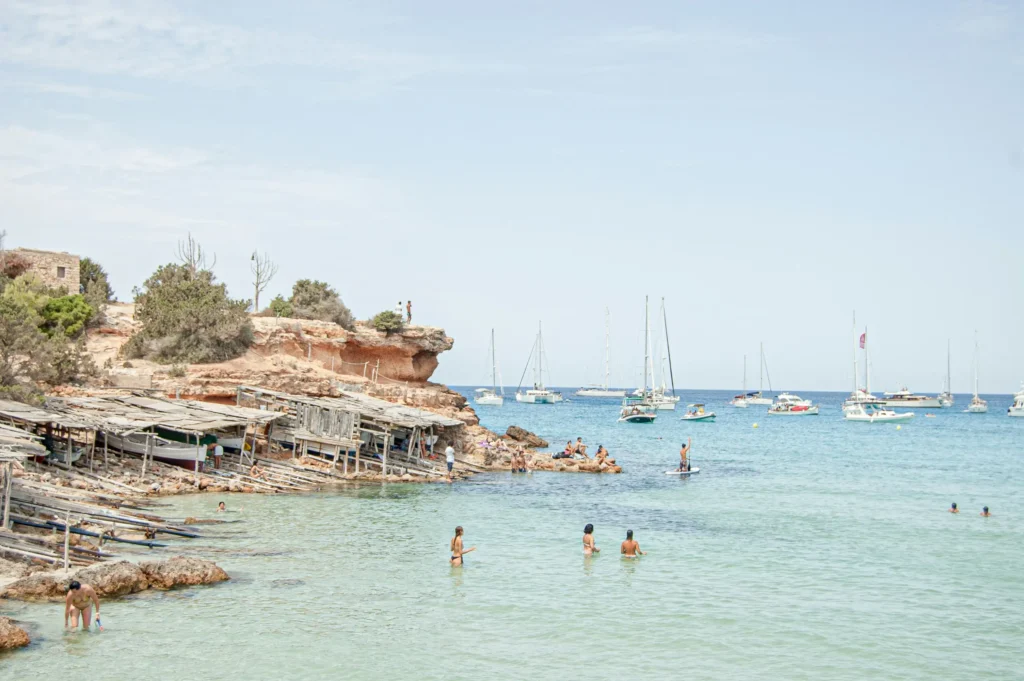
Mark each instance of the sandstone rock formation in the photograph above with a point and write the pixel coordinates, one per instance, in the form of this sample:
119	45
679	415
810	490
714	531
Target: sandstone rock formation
118	579
11	635
522	435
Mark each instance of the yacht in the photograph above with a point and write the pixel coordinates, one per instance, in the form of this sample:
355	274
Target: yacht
787	404
977	405
905	398
639	408
538	394
1017	408
860	396
758	397
946	399
495	395
602	390
873	413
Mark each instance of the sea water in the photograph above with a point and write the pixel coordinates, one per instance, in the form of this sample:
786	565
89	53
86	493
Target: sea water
806	548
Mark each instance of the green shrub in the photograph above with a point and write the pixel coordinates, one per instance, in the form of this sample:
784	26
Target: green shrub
30	294
67	315
316	300
91	272
187	317
177	371
388	321
279	307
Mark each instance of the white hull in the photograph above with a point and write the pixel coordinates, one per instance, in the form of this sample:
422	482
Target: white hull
638	418
976	409
234	443
528	398
740	404
1015	411
599	392
879	418
766	401
703	417
490	400
175	453
924	403
664	405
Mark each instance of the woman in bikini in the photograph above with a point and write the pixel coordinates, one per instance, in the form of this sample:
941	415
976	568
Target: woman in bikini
457	551
589	547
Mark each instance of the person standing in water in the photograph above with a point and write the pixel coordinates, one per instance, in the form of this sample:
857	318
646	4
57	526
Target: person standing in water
458	552
631	547
985	513
79	601
589	547
684	456
953	508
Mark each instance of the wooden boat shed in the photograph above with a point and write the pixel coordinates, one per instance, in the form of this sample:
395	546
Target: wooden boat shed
49	424
355	428
16	445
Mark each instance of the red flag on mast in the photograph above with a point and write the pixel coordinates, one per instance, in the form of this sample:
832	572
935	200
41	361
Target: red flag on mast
863	339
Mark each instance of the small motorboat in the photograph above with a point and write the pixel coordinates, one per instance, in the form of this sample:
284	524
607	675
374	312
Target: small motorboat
637	410
787	404
697	412
873	413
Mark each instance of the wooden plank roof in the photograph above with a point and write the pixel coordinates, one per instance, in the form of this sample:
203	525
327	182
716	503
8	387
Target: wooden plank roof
126	413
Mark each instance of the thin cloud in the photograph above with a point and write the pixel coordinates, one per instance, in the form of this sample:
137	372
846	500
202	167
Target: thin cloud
708	37
81	91
982	20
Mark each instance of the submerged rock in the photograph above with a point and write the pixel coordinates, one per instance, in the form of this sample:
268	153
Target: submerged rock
182	571
11	635
522	435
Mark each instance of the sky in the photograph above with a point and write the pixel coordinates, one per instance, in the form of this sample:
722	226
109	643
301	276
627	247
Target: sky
766	168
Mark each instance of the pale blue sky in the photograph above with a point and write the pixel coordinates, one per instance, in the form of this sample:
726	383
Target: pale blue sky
766	167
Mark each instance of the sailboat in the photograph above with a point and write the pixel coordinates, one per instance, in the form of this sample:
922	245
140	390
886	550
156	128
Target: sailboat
859	396
641	409
660	397
602	390
495	395
539	394
977	405
946	396
758	397
741	399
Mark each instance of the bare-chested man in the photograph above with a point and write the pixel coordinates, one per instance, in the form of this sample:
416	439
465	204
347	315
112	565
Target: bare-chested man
79	601
631	547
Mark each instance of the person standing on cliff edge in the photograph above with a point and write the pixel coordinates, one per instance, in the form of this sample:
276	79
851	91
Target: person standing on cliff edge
408	312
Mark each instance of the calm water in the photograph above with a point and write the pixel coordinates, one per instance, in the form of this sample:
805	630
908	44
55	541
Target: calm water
807	548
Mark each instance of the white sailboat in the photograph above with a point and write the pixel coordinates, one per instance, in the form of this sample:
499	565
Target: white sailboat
538	394
741	399
977	405
758	397
602	390
495	395
946	398
641	409
860	396
660	397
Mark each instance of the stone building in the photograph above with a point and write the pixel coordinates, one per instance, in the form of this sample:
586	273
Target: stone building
56	270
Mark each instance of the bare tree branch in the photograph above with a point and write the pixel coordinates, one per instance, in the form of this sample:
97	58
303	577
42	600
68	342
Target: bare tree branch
191	253
263	269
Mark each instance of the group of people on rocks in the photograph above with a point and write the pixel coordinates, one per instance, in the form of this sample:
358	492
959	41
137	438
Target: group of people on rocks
577	449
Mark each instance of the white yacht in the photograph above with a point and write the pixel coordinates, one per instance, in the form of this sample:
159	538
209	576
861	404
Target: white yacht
871	413
787	404
1017	408
538	394
495	395
658	397
977	405
860	396
602	390
905	398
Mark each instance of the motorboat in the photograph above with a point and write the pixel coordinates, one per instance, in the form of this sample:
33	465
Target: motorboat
905	398
538	394
977	405
637	410
1017	408
602	390
495	395
697	412
787	404
167	451
874	413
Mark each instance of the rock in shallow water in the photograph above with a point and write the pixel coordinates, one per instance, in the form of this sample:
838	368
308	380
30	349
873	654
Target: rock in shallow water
182	571
11	635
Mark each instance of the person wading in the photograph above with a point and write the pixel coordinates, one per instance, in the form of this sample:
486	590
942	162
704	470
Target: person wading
79	601
457	551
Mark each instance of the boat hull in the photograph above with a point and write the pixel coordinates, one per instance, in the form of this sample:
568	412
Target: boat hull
538	399
490	401
766	401
639	418
925	403
861	418
184	456
977	409
809	411
1015	411
599	392
740	404
702	417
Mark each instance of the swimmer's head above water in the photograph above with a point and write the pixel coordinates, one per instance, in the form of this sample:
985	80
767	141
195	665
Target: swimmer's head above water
458	531
589	529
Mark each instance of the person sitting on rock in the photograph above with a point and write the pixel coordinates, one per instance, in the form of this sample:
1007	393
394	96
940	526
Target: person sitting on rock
580	448
566	453
601	456
257	472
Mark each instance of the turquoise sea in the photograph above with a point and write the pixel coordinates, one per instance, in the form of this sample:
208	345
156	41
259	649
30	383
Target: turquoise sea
806	548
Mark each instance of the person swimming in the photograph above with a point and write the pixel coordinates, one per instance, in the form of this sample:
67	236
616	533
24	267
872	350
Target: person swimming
985	513
221	507
631	547
953	508
589	547
457	551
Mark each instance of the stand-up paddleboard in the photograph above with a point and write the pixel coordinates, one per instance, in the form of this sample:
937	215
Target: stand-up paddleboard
692	471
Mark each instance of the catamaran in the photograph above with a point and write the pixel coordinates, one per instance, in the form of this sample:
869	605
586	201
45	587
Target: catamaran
977	405
538	394
602	390
495	395
640	409
758	397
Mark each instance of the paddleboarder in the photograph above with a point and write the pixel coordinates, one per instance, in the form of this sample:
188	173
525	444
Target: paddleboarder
79	601
684	460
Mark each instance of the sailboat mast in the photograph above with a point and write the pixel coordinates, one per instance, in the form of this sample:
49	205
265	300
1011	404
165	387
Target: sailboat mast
647	343
744	374
760	384
975	364
949	373
855	352
494	365
668	346
607	332
539	378
867	363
